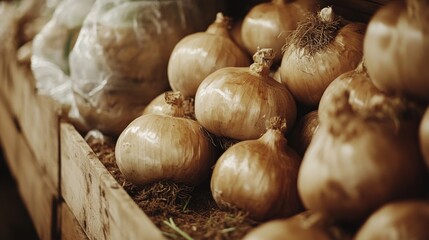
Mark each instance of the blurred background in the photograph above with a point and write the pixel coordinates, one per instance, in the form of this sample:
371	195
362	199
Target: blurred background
15	222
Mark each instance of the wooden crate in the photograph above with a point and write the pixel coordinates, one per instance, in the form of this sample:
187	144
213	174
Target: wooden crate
100	204
69	228
39	194
35	115
29	127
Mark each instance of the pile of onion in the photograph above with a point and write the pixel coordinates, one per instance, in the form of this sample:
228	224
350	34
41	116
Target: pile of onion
396	48
267	25
321	49
156	147
303	226
199	54
236	102
360	160
259	176
397	220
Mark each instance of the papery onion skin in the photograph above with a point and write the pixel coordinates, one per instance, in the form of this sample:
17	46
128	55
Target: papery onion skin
396	49
267	25
258	176
158	105
424	136
199	54
303	132
161	147
355	164
236	102
359	85
397	220
303	226
307	75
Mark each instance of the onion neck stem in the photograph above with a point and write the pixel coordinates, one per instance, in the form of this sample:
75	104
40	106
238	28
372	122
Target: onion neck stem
327	14
274	138
220	26
175	100
263	59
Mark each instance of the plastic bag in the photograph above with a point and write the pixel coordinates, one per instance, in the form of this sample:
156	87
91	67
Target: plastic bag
119	62
51	48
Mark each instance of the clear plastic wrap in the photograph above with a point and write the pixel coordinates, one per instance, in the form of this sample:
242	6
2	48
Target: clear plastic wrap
51	48
119	62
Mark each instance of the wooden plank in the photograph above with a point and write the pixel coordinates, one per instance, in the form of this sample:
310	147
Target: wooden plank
38	193
8	31
8	136
38	118
100	204
70	228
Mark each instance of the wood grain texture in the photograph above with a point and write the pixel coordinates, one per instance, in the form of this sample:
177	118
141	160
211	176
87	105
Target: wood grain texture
70	228
38	119
37	192
36	116
100	204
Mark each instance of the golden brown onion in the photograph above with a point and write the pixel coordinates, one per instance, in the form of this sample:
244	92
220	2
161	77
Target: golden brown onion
360	160
258	176
267	25
424	136
303	226
320	50
303	132
199	54
358	83
165	147
159	106
396	48
235	102
397	220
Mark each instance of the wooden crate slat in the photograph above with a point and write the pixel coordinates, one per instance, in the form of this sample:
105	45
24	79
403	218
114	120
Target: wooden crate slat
70	228
9	137
39	121
37	192
100	204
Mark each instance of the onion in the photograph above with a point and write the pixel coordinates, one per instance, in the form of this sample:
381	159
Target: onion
303	226
267	25
396	47
358	83
159	106
199	54
359	160
236	34
320	50
165	147
397	220
303	132
424	136
235	102
259	176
